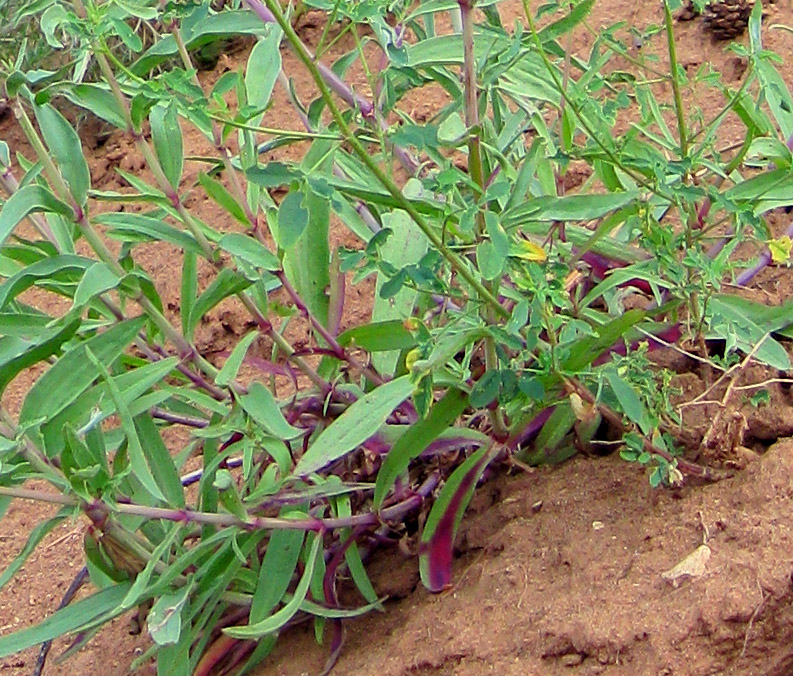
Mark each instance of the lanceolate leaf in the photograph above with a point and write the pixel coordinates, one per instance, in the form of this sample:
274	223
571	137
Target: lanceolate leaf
74	372
355	425
67	150
65	268
280	618
27	200
437	540
69	619
413	442
167	137
260	404
35	537
226	284
278	567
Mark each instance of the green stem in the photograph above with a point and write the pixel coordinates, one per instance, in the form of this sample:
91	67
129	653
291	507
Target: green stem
454	260
681	116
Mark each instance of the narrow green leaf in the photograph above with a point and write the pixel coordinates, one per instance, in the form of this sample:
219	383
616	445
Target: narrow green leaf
235	359
278	567
97	279
355	425
64	621
217	192
59	269
73	373
36	536
138	461
413	442
226	284
280	618
160	461
143	228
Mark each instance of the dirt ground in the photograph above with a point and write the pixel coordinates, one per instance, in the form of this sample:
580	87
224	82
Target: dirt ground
562	570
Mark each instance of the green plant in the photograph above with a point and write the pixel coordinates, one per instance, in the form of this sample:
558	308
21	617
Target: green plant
496	332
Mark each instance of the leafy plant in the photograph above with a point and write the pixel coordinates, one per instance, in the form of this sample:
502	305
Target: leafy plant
500	331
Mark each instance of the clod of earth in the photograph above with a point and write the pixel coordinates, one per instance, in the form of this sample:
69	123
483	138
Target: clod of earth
725	19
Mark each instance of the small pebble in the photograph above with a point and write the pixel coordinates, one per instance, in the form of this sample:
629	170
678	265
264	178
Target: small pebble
572	660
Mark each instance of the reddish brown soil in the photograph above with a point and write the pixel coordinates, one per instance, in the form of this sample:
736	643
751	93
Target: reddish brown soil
558	571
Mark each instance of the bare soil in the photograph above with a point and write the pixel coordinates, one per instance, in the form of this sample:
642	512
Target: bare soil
561	570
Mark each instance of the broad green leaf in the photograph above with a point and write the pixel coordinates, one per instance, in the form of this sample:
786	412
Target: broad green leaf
261	73
280	618
379	337
307	263
97	279
73	373
292	219
64	621
27	200
98	99
260	404
405	247
355	425
212	28
413	442
65	145
167	137
250	250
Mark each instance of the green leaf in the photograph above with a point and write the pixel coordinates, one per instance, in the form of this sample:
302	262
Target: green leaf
261	72
65	145
260	404
292	219
98	99
251	251
413	442
167	137
379	337
223	197
27	200
73	373
64	268
140	227
629	401
64	621
46	344
36	536
278	567
160	460
235	359
97	279
138	462
165	618
568	208
307	264
280	618
359	422
226	284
